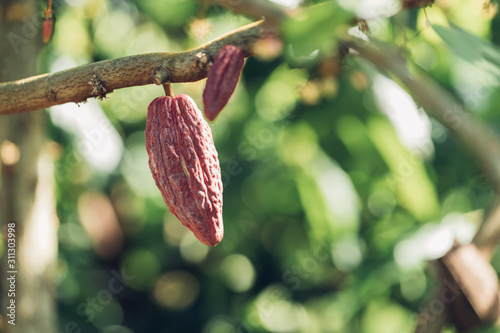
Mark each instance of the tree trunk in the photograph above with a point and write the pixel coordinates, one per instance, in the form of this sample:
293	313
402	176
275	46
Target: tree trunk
26	193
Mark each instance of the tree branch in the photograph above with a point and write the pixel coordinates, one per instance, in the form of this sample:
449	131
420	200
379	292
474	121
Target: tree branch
99	78
488	235
478	139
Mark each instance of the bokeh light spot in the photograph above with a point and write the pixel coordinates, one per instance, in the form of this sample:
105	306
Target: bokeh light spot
192	250
143	266
176	290
238	272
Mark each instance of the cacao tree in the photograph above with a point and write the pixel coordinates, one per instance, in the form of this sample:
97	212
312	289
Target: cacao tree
355	146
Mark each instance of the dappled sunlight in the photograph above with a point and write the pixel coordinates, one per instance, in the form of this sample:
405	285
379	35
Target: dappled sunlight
276	312
413	282
347	253
135	168
411	124
39	249
176	290
386	318
409	176
367	9
71	36
338	191
190	248
101	223
174	232
338	188
144	266
97	141
327	193
433	240
238	272
9	153
288	3
278	95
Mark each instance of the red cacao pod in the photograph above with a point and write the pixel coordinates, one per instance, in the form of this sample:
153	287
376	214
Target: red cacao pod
47	29
222	79
185	166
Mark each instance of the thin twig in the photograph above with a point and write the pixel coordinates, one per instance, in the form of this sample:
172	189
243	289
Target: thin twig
99	78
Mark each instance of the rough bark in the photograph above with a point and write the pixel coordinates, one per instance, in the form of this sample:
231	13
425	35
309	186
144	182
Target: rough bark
99	78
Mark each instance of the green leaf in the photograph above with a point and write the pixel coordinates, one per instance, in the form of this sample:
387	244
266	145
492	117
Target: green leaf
316	28
331	203
169	13
467	46
415	190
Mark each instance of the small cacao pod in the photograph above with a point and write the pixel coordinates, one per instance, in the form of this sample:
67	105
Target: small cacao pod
47	29
222	79
185	166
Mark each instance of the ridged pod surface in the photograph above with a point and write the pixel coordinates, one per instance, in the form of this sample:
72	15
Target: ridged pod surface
221	80
185	166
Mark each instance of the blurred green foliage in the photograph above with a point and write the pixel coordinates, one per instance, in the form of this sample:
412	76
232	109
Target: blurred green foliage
330	213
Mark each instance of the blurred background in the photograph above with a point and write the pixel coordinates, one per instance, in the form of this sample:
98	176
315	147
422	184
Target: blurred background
338	189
